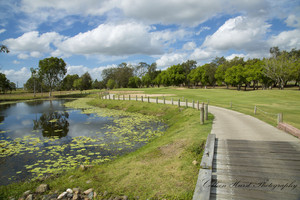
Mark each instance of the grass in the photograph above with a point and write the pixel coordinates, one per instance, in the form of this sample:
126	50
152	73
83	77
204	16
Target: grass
161	169
268	102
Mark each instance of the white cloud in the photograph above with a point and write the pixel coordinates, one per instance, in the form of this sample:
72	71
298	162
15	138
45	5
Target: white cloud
232	56
168	60
109	39
189	46
94	72
240	33
293	21
16	62
286	40
2	30
17	76
23	56
200	54
190	12
33	44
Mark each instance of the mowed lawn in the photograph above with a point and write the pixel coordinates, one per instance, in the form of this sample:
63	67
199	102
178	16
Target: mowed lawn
269	102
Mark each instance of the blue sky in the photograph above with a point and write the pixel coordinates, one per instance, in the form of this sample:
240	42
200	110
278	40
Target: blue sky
91	35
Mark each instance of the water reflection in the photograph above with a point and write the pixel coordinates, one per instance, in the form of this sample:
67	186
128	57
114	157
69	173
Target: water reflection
53	124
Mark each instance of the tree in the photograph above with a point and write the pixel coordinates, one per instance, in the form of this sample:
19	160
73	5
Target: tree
141	69
4	49
176	75
280	69
209	74
4	83
111	84
195	76
86	81
98	84
68	81
188	66
52	70
236	76
134	82
254	71
146	80
77	84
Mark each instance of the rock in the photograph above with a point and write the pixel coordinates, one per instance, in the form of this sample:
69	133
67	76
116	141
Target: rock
88	191
25	194
76	196
195	162
62	195
49	197
91	195
125	197
95	195
76	190
42	188
88	181
69	195
29	197
69	191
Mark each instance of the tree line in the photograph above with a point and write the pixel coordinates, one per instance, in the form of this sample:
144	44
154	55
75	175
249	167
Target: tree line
276	71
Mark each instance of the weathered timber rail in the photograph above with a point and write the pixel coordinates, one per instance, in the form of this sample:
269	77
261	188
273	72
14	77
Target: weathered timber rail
244	158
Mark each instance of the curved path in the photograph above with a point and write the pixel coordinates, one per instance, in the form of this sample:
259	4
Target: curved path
252	159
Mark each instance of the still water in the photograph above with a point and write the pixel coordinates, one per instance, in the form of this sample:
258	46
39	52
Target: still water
39	138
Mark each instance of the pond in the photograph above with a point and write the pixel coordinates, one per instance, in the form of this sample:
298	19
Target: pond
39	138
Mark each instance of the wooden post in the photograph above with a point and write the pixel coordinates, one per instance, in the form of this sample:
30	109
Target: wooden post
201	115
142	98
118	97
206	111
193	104
148	100
129	97
156	99
109	96
279	118
198	105
186	103
123	97
172	100
254	110
178	102
136	97
164	100
113	97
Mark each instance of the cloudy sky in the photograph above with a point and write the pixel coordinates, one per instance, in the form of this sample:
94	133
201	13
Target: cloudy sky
91	35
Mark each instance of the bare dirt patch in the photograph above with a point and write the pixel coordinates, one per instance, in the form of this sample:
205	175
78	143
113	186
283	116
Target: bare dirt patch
173	149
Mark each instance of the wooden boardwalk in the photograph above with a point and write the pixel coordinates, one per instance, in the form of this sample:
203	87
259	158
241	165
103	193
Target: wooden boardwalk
245	169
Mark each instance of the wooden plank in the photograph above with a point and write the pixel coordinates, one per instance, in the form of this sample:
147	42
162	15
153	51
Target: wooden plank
207	158
202	190
260	156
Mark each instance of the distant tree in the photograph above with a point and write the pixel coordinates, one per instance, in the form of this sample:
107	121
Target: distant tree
236	76
141	69
4	83
254	71
111	84
52	70
98	84
86	81
280	69
209	74
195	76
188	66
134	82
12	86
4	49
77	84
146	80
176	75
68	81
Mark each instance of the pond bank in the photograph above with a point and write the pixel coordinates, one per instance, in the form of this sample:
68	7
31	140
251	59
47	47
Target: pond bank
161	169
